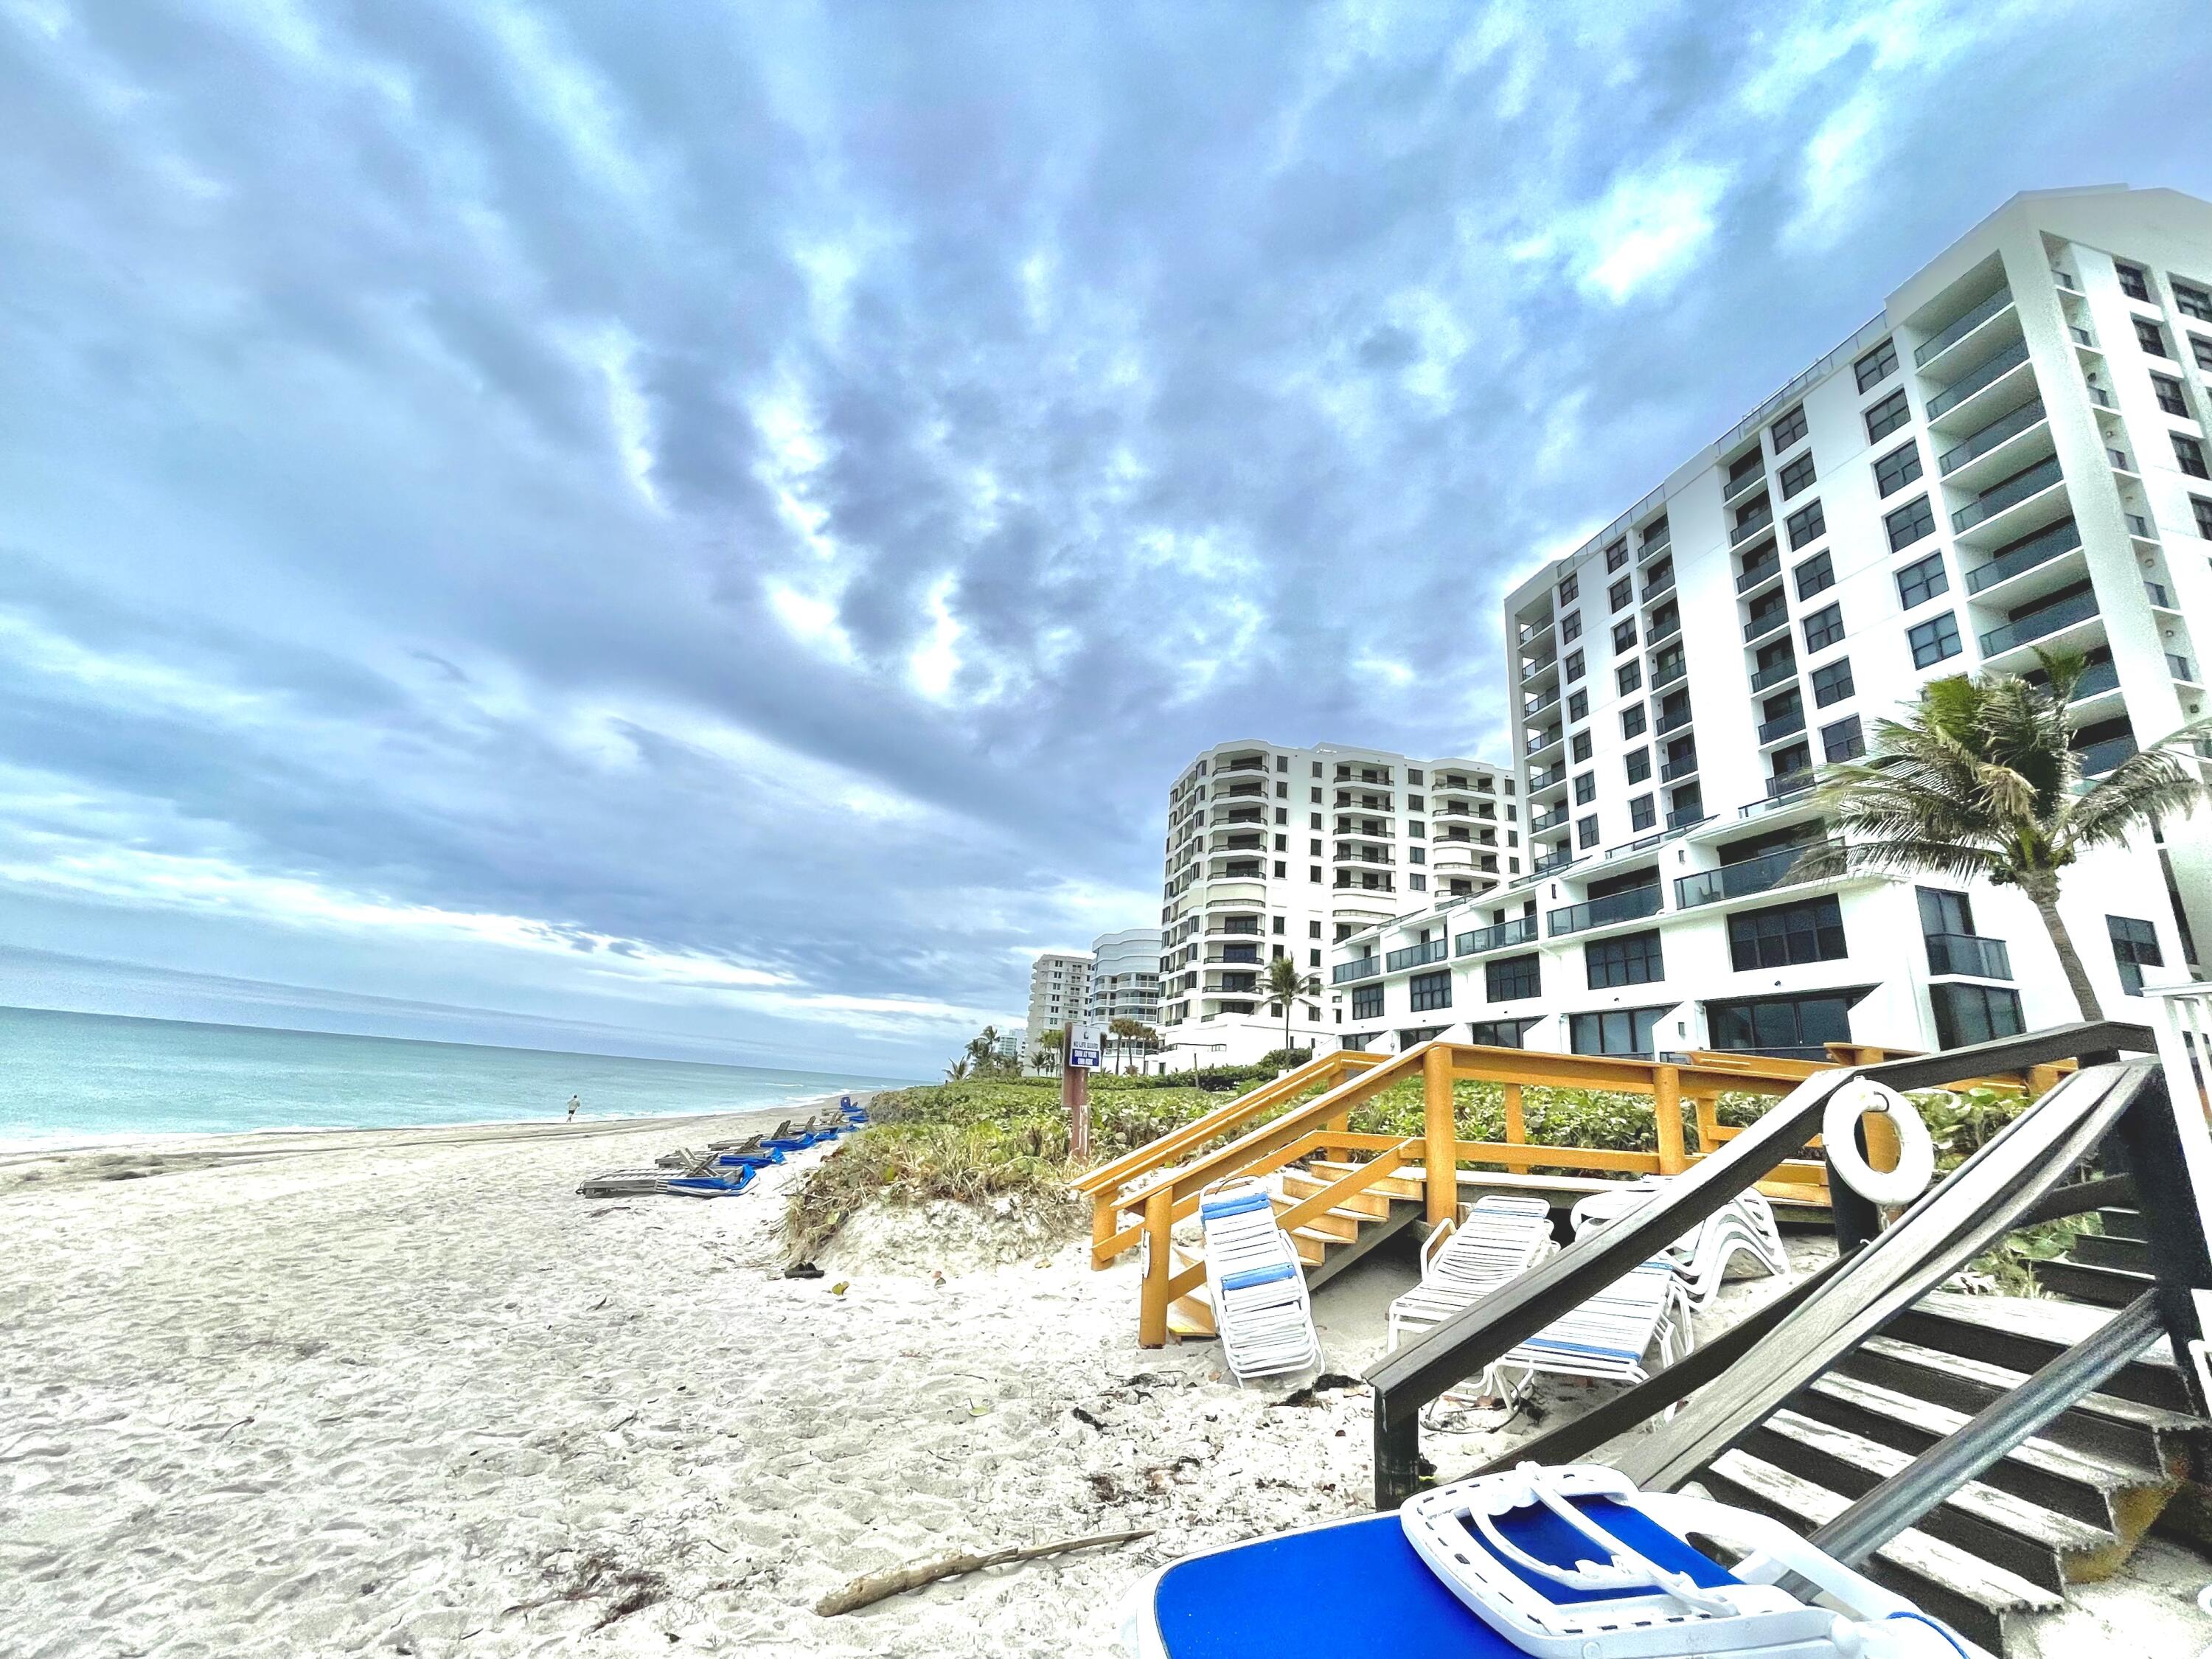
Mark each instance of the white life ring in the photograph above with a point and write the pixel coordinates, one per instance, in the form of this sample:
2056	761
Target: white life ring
1916	1157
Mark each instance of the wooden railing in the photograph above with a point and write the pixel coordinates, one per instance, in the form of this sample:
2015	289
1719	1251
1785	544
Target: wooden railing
1119	1189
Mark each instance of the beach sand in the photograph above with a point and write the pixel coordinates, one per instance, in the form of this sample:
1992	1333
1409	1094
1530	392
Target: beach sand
407	1394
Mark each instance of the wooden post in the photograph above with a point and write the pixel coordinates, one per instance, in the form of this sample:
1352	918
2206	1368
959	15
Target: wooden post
1706	1108
1667	1108
1439	1157
1075	1096
1517	1121
1159	1267
1103	1215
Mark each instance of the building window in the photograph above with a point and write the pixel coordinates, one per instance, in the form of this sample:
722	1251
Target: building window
1569	587
1807	522
1616	555
1831	684
1798	1028
2169	394
1431	990
2191	455
2192	301
2151	338
1313	872
1897	469
1628	676
1816	576
1570	626
1934	640
1639	764
1797	476
1367	1001
2201	348
1580	748
1498	1033
2202	509
1908	523
1788	429
2135	947
1824	627
1512	978
1787	934
1623	1032
1973	1014
1574	665
1620	593
1842	741
1632	959
1586	831
1624	635
1281	868
2132	283
1886	416
1579	705
1642	814
1632	720
1877	365
1921	580
1585	788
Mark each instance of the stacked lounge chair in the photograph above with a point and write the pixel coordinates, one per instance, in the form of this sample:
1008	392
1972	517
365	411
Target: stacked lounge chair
1743	1226
1258	1287
1498	1240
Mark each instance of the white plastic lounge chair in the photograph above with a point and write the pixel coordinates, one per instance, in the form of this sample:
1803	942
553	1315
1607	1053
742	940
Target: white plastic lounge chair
1566	1563
1607	1338
1498	1239
1743	1226
1257	1284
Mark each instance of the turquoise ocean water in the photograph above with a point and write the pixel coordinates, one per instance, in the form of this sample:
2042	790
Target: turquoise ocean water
71	1079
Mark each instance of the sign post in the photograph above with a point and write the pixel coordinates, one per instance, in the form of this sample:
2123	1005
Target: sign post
1079	1057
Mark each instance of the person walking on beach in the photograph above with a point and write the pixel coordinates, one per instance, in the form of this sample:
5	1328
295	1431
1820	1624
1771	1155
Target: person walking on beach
574	1101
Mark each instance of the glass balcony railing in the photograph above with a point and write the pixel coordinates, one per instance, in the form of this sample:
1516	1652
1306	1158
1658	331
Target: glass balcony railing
1346	972
1684	818
1997	432
1736	880
1758	572
1542	741
1786	669
2098	678
1746	528
1937	344
1543	777
1551	861
2039	625
1672	771
1981	376
1765	622
1783	726
1667	671
1663	629
1520	931
1782	784
2012	491
1970	954
1544	823
2041	548
1531	710
1634	903
1661	583
2099	758
1737	486
1414	955
1674	722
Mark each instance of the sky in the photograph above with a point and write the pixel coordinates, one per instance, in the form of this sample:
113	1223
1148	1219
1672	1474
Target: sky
710	529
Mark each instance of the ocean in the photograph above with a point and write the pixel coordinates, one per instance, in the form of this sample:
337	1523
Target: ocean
70	1079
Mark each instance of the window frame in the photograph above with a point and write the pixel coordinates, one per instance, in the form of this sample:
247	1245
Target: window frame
1636	958
1787	935
1823	629
1901	467
1887	415
1939	630
1931	584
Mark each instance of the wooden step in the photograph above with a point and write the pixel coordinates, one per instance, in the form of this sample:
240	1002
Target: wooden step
2025	1334
1407	1184
2100	1287
2110	1250
2122	1223
1975	1597
1297	1184
2120	1498
1336	1224
2101	1423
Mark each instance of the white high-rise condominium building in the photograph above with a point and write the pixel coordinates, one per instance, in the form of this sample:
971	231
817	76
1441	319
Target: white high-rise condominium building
1275	852
2013	454
1125	976
1059	990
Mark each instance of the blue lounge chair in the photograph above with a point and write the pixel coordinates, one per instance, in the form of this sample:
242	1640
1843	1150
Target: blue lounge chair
1569	1563
712	1186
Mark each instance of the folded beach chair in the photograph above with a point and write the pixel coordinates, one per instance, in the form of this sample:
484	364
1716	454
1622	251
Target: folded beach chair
1607	1338
1744	1226
1255	1281
637	1183
1498	1240
786	1138
1566	1563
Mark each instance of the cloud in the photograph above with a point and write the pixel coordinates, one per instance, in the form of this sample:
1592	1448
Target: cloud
556	509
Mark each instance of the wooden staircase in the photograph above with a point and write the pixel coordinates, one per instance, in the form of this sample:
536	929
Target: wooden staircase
2107	1269
2068	1507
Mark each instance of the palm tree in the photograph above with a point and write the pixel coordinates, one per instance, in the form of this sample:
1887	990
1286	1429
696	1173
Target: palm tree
1126	1033
1979	779
1284	984
956	1071
1045	1057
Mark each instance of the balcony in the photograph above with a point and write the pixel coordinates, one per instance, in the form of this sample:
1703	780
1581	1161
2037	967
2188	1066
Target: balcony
1760	571
1667	671
1999	431
1786	726
2099	758
1731	881
1978	378
1675	771
1541	742
1551	861
2031	481
1674	722
1347	973
1531	710
1661	583
2054	543
1741	485
1544	777
1686	818
1762	517
1784	670
1937	344
2156	593
1414	955
1765	623
1631	906
1782	784
2098	678
1520	931
1545	822
2040	623
1969	954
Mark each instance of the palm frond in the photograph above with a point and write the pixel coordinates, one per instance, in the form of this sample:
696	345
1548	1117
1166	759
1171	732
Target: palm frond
2140	792
1903	856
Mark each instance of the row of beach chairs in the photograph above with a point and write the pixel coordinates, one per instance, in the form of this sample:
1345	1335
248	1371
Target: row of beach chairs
726	1168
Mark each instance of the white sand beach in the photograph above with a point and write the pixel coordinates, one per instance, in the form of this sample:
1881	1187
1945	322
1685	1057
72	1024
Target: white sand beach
408	1394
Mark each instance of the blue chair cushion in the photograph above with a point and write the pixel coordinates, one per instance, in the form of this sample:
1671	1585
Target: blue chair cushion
1246	1279
1235	1206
